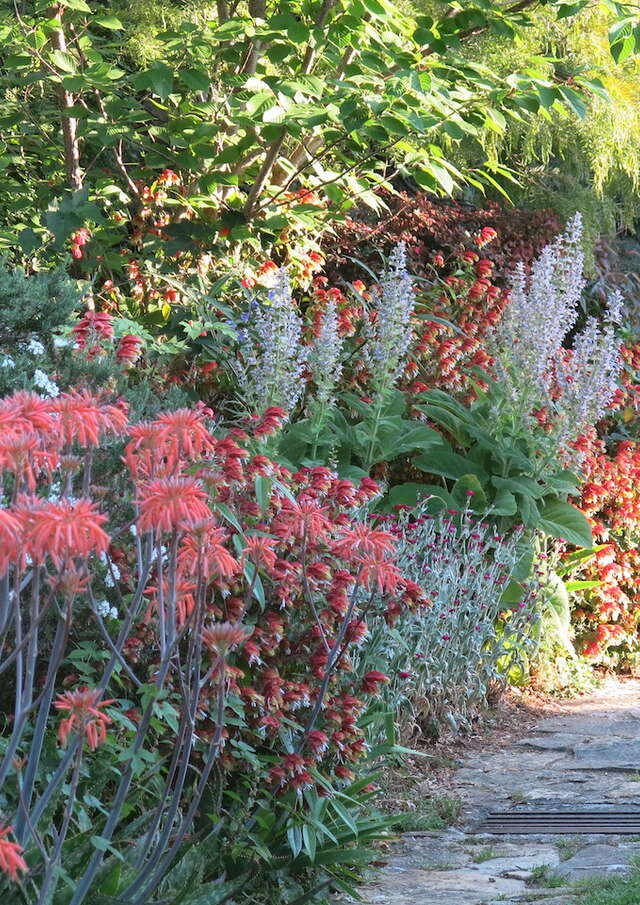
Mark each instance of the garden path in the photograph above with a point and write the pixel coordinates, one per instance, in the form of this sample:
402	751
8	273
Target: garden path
584	752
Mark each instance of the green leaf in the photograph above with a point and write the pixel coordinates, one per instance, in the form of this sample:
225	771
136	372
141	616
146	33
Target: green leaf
409	493
504	503
214	893
558	609
80	5
64	61
468	491
572	586
294	837
263	491
562	520
110	22
375	8
195	78
443	461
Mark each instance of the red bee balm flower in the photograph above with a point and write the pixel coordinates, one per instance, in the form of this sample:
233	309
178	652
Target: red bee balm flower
24	411
85	716
259	550
378	573
203	549
224	636
185	433
11	860
170	503
129	348
83	417
363	540
64	530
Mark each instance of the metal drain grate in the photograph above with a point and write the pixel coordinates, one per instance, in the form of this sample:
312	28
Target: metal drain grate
619	822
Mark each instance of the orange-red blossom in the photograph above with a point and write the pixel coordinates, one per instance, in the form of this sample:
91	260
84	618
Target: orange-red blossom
85	715
11	860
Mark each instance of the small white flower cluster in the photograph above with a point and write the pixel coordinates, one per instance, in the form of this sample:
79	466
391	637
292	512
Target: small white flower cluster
113	572
6	361
589	377
542	309
105	610
35	347
48	386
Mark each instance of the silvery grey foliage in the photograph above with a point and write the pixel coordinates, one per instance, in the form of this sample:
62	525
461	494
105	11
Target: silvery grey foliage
390	335
273	357
442	660
533	368
325	362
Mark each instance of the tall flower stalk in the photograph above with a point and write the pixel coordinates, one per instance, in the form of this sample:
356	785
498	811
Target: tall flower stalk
325	365
568	389
273	356
388	335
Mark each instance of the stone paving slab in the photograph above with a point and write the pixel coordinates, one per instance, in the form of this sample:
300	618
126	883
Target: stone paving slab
575	759
455	887
616	755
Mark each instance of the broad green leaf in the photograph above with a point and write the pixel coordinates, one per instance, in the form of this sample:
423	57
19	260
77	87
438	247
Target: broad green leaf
468	491
562	520
110	22
63	60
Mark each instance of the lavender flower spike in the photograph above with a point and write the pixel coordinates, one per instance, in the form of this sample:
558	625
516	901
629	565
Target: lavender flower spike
325	357
273	358
389	338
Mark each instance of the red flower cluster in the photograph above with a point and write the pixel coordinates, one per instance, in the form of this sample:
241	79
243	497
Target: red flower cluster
39	437
608	617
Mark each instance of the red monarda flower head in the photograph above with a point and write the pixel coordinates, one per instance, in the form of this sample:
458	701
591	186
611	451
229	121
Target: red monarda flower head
271	421
259	551
11	860
487	234
10	539
144	455
306	518
94	325
85	716
21	454
63	530
169	504
318	741
84	417
378	573
24	411
185	434
203	550
363	540
222	637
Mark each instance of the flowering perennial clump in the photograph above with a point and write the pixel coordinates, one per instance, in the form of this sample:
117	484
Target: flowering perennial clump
566	390
231	613
444	658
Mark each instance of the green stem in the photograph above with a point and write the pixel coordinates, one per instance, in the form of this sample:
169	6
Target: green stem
320	423
368	462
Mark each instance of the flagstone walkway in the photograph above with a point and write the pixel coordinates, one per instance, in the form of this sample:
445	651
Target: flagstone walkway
585	753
